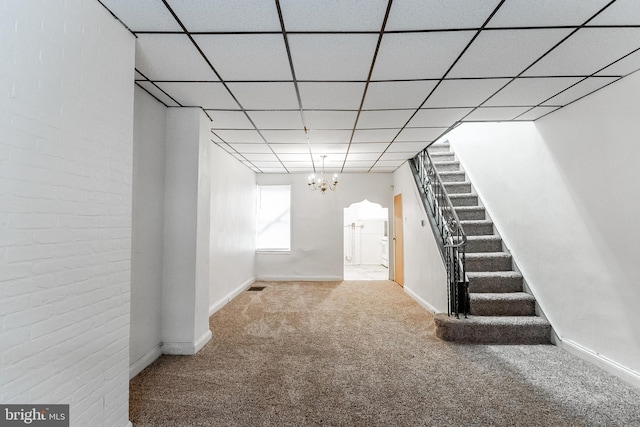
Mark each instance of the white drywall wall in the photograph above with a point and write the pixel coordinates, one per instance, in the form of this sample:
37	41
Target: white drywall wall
233	228
66	131
317	249
147	240
563	193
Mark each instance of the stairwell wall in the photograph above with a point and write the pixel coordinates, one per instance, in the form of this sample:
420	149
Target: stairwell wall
562	192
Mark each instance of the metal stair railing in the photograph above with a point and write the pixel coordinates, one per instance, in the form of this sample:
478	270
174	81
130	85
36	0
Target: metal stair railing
446	227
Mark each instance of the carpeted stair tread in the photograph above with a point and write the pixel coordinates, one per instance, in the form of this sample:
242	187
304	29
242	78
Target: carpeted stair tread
452	176
457	187
502	304
494	281
484	243
439	148
460	200
477	227
447	166
493	329
488	261
466	213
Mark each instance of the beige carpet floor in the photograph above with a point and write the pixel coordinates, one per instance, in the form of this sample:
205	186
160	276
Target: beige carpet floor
365	354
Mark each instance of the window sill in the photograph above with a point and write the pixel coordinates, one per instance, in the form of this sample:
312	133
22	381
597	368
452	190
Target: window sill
274	251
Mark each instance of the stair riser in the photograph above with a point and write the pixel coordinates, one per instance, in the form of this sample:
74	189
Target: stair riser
502	308
468	215
495	334
447	167
475	246
457	188
478	229
453	177
439	149
488	264
442	157
464	201
479	285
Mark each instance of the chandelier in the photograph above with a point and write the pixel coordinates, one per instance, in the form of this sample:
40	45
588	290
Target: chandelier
321	183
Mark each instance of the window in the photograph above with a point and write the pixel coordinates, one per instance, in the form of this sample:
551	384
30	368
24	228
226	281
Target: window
274	218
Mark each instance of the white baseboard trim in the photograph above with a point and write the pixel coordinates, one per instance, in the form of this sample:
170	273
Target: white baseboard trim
145	360
276	278
421	301
231	295
620	371
187	348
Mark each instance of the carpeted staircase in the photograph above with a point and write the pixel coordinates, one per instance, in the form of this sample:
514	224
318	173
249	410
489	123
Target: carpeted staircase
500	311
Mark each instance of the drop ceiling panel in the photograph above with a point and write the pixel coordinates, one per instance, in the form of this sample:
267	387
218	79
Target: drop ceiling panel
359	163
374	135
290	148
332	56
330	119
419	134
205	95
333	15
277	119
155	91
438	117
247	56
488	114
505	53
262	148
260	157
329	136
622	12
434	14
170	57
392	95
272	95
532	91
625	66
295	157
240	136
418	55
368	147
395	157
407	147
583	88
464	93
331	96
363	156
545	13
222	15
143	15
229	120
296	136
536	113
384	119
139	76
332	150
587	51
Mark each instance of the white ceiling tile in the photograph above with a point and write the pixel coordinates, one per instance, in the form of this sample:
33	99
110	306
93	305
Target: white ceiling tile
139	76
262	148
505	53
587	51
196	94
419	134
222	15
541	13
330	119
292	136
407	147
622	12
262	57
438	117
464	93
271	169
374	135
293	169
143	15
331	96
332	56
384	119
258	96
387	95
359	163
583	88
368	147
295	157
348	169
625	66
383	169
260	157
223	119
332	150
290	148
495	114
333	15
363	156
531	91
536	113
155	91
170	57
418	55
436	14
395	157
328	136
277	119
240	136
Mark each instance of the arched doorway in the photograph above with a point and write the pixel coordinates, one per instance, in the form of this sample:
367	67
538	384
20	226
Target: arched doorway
366	241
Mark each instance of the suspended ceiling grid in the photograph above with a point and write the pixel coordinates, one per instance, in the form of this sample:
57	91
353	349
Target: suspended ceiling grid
370	83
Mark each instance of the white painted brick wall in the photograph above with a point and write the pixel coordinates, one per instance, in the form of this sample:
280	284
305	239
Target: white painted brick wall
66	122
